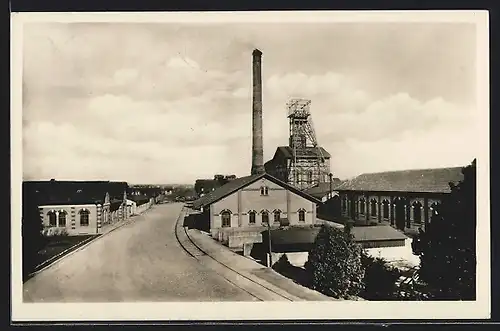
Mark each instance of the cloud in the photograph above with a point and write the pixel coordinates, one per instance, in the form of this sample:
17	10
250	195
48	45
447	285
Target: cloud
182	62
140	104
76	153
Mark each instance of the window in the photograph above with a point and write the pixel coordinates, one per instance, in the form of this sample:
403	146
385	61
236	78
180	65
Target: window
344	205
434	208
226	218
362	206
265	216
251	217
84	217
310	177
52	218
62	218
264	190
277	216
302	215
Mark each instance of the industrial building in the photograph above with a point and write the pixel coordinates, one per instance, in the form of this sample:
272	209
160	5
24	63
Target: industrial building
303	163
204	186
78	207
83	207
404	199
237	212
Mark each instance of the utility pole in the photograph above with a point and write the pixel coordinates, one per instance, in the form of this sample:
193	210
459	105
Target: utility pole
330	175
269	244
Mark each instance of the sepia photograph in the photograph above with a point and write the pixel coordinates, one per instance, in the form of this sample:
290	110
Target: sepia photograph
257	161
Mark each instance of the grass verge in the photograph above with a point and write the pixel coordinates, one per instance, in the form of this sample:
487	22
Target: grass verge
56	248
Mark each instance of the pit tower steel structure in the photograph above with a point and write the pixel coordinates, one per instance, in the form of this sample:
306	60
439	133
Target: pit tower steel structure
307	165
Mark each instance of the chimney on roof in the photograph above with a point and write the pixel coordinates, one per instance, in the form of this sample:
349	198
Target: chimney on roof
257	144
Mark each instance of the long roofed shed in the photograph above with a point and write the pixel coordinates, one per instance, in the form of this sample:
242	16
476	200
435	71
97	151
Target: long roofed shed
418	181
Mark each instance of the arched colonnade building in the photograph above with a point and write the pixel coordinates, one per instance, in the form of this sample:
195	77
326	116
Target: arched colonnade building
404	199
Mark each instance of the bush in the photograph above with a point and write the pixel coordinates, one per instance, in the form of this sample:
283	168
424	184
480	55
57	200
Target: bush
282	264
334	264
54	232
413	292
380	279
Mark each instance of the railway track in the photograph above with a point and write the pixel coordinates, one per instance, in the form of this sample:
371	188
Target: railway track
196	252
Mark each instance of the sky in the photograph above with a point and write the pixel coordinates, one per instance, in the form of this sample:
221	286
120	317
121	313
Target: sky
171	103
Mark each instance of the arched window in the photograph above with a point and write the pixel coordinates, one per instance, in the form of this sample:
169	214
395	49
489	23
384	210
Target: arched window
226	218
84	217
417	212
434	208
362	206
385	209
277	216
302	215
374	207
62	218
251	217
265	216
52	218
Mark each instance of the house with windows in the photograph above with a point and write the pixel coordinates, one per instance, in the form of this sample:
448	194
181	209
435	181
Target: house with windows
78	207
237	212
137	204
404	199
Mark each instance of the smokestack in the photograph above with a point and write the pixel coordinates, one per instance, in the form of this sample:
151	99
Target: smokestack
257	144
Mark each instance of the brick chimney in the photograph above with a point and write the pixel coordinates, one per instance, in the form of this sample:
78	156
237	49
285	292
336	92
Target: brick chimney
257	144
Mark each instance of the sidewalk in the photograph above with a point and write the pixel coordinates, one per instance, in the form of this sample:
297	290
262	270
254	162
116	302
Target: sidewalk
104	230
254	270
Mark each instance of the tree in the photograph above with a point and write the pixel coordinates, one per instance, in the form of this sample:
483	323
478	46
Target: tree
447	246
334	263
32	239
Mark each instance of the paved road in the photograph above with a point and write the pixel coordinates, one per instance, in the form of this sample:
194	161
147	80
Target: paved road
141	261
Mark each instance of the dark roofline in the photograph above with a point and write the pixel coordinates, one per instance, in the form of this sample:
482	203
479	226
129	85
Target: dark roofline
394	192
70	203
74	181
402	170
272	179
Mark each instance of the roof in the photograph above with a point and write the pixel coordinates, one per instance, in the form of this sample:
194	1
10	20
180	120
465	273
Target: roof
306	235
139	199
72	192
321	189
238	183
422	180
206	185
287	152
376	232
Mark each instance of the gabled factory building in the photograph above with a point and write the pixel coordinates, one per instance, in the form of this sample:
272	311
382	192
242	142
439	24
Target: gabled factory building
237	212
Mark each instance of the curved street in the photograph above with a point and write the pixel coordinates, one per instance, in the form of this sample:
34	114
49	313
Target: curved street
140	261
